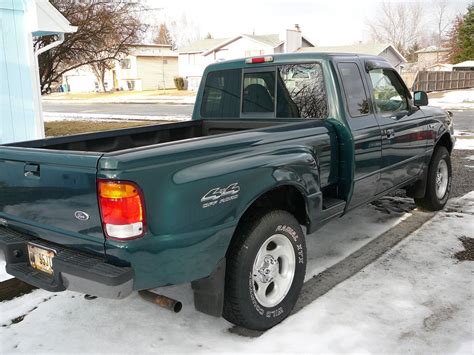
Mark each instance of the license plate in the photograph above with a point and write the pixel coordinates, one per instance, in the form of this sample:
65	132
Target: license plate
41	258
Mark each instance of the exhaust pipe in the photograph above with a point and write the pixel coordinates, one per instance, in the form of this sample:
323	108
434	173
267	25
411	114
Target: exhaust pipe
162	301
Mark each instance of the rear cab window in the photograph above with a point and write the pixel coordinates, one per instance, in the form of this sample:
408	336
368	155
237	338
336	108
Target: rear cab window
283	91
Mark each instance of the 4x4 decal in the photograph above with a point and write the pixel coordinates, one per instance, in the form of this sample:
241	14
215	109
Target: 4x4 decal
220	195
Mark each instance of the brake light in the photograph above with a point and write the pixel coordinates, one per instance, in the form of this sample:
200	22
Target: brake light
122	209
256	60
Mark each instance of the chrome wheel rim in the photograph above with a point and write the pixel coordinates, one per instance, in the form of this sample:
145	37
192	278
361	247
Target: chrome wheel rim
441	179
273	270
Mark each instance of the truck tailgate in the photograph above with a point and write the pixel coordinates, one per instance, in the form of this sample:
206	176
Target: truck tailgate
51	195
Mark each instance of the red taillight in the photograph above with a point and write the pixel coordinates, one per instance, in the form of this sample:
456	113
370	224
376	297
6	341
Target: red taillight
256	60
122	209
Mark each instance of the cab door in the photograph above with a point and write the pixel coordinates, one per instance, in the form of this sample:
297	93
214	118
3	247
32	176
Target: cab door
365	131
401	125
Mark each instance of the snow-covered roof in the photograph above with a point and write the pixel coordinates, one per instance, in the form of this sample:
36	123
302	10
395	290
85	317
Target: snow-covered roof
467	63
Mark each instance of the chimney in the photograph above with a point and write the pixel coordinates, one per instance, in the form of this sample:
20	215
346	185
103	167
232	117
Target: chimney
294	39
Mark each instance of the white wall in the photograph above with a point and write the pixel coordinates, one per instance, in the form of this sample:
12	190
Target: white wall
192	65
83	80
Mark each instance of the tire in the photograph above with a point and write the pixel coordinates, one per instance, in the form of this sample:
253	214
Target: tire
266	266
438	184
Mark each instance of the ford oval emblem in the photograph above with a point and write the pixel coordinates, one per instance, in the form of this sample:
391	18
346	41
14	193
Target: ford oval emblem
81	215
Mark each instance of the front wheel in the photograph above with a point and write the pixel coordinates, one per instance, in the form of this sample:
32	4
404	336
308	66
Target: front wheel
439	180
266	266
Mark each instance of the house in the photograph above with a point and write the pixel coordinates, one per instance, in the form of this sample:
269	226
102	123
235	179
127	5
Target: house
385	50
194	58
20	98
428	56
147	67
467	65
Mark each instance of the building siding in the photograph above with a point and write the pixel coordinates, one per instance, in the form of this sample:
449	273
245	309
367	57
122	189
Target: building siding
153	74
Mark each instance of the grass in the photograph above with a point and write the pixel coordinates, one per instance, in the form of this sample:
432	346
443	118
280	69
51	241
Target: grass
112	94
67	128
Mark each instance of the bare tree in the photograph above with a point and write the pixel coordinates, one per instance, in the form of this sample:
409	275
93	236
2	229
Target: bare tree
442	24
105	30
400	24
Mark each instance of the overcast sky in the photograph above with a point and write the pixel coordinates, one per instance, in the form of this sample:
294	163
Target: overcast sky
325	22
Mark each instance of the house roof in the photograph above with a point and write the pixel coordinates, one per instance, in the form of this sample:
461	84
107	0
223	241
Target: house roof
467	63
272	40
202	45
366	48
432	49
47	20
206	46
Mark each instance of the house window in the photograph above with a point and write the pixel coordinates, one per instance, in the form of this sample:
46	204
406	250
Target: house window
125	64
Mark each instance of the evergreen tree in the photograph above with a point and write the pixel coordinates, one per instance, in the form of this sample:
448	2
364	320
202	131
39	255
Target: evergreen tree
465	40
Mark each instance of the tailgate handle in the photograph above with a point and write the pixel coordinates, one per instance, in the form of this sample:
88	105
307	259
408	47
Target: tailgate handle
32	170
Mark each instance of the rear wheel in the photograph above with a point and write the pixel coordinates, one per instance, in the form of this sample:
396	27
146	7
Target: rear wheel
265	270
438	183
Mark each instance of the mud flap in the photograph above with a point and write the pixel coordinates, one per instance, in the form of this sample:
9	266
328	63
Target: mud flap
209	291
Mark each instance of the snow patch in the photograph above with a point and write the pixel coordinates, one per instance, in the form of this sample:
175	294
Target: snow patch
457	99
416	298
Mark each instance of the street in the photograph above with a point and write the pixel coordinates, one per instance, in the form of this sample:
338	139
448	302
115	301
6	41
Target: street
463	119
145	109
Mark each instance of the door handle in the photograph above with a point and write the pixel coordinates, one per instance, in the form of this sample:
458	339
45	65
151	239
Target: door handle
32	170
389	133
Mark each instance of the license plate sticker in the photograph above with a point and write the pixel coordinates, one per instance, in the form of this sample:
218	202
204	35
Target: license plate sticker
41	258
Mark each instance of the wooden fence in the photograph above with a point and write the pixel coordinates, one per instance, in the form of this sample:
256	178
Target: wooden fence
443	80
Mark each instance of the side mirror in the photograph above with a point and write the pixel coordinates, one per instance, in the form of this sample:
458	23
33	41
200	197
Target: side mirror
420	98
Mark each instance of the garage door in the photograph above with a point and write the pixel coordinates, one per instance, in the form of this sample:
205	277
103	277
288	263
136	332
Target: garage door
151	70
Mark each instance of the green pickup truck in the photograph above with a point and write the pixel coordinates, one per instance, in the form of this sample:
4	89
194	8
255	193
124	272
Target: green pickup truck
276	145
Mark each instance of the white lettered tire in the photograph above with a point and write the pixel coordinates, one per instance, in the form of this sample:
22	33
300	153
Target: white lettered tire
266	266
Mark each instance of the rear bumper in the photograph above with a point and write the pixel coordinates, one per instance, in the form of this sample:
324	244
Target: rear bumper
73	270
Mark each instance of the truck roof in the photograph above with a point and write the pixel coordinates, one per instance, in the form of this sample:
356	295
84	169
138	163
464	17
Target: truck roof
293	58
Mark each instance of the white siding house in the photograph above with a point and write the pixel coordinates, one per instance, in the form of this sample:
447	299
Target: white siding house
20	100
147	67
194	58
385	50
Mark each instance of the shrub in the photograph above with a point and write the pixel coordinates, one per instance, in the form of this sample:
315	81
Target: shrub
179	82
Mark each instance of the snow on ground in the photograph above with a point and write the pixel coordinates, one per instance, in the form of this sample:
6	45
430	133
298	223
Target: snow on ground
456	99
464	142
3	274
415	298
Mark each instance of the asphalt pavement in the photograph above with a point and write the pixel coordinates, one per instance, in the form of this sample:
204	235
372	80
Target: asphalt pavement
145	109
463	120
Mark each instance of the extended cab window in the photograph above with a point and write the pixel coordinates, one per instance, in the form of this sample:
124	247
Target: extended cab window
259	92
221	96
301	91
388	91
354	89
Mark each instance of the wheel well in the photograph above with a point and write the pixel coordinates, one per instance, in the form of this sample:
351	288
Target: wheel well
287	198
445	141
